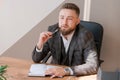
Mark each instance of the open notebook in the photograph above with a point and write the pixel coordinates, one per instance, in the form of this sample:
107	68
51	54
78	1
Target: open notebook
39	69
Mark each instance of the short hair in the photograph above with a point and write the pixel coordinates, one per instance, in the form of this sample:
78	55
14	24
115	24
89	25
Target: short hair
71	6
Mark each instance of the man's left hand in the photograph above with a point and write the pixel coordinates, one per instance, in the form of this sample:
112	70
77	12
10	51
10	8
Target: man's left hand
56	72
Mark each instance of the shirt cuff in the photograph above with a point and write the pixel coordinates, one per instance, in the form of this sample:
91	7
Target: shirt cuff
71	71
38	49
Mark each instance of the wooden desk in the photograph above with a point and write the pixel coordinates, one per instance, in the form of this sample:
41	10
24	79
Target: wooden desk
18	70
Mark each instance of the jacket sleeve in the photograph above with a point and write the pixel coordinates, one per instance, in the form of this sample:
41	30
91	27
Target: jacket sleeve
39	56
90	57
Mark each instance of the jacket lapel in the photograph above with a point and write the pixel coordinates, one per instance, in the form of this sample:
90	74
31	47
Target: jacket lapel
57	45
71	47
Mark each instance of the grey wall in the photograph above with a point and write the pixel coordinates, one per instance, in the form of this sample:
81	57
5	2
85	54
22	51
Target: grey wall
17	17
23	48
107	13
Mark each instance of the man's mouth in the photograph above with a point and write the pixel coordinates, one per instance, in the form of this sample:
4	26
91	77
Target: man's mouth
64	27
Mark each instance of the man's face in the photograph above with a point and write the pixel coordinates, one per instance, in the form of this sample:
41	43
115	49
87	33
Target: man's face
68	19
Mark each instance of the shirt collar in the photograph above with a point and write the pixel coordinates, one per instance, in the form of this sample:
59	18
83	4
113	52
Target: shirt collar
69	37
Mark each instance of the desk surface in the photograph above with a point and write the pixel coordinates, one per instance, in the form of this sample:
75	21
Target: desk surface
18	70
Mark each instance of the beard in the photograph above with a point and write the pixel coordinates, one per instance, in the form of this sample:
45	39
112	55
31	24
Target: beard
66	31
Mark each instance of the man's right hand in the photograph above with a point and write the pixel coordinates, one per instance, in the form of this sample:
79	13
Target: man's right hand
44	36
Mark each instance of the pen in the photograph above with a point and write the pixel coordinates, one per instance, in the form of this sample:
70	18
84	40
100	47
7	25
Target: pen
54	31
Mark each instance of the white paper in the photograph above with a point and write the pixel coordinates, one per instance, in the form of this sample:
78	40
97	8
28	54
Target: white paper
39	69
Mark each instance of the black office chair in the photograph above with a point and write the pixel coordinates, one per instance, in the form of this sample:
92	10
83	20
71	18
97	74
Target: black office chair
97	31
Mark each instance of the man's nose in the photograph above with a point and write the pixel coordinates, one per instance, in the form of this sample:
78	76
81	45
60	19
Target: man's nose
65	21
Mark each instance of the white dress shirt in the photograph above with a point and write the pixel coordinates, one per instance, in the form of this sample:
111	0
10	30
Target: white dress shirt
67	40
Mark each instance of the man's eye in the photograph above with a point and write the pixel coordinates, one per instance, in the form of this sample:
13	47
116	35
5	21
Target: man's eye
70	19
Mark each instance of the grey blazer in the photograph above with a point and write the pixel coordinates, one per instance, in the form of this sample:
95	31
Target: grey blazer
82	51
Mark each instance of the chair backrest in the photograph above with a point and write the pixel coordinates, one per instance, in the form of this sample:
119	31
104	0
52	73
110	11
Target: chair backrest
97	31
